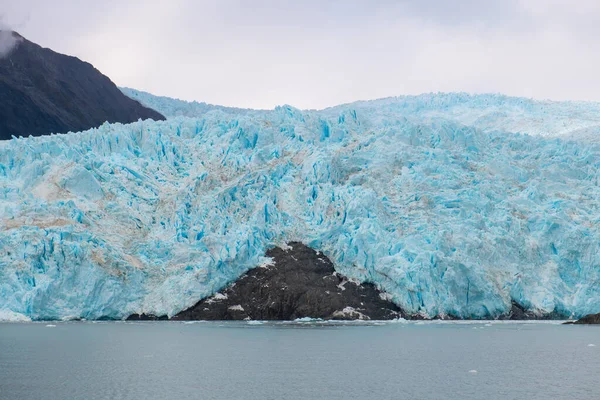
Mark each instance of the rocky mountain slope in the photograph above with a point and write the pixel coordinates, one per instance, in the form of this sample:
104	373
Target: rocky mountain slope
43	92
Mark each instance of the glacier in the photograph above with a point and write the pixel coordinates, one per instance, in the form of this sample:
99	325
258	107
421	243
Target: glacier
453	204
568	119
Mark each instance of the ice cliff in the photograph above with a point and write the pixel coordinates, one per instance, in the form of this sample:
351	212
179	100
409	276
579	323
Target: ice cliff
453	204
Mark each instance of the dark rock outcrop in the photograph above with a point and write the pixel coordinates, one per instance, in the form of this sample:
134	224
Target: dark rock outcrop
300	283
146	317
517	312
520	313
43	92
303	283
592	319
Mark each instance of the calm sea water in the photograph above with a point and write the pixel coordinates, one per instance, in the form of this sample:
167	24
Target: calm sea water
207	360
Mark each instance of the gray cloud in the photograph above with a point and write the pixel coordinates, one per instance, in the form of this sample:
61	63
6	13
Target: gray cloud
318	53
7	40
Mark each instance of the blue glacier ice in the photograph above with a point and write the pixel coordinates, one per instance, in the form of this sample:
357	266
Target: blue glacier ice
484	112
451	203
179	108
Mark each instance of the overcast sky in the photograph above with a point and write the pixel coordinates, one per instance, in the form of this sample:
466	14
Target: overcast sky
314	54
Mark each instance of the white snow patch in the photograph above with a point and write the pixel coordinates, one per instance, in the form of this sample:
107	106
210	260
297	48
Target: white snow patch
385	296
237	307
286	247
220	296
354	280
216	297
267	263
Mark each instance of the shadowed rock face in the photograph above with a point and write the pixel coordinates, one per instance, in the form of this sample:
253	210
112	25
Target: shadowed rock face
300	283
45	92
592	319
518	313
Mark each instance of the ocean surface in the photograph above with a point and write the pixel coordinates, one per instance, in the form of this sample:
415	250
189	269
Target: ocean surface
215	360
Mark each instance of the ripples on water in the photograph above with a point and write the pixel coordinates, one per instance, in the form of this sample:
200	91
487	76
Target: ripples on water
299	360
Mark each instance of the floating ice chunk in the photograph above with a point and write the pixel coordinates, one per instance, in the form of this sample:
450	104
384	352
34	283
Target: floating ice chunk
591	345
308	319
50	326
473	371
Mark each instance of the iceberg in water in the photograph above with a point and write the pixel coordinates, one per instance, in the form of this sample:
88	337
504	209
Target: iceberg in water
450	203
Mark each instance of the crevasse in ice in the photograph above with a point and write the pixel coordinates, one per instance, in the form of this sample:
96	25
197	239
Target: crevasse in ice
434	198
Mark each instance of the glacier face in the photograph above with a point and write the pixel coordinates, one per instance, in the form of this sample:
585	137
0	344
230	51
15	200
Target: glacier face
434	198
